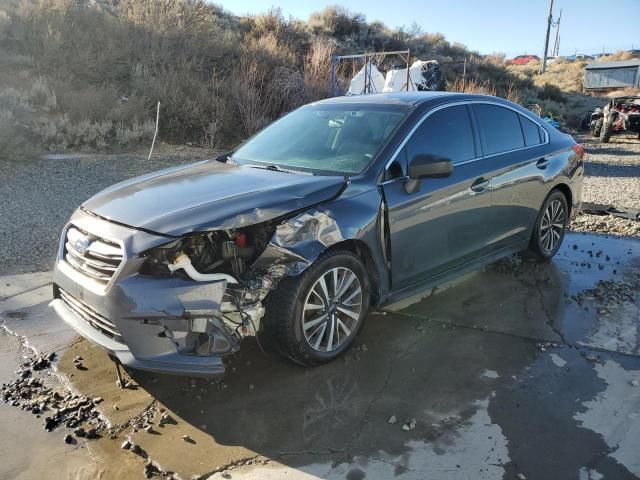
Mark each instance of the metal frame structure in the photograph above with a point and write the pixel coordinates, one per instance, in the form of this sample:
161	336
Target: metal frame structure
405	55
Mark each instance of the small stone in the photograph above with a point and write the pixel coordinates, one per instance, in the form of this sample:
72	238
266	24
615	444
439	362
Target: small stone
591	358
91	433
126	445
251	387
68	439
406	427
149	429
97	400
635	382
187	439
77	359
79	432
392	419
364	348
116	408
521	476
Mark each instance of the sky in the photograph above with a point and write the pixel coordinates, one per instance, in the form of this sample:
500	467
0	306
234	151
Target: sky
512	27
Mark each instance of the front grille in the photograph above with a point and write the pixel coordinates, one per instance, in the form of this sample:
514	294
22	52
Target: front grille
89	315
93	256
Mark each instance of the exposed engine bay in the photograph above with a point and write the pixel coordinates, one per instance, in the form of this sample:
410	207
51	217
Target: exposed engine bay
222	255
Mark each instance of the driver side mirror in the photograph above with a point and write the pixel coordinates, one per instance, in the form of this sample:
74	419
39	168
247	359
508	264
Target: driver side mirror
427	166
430	166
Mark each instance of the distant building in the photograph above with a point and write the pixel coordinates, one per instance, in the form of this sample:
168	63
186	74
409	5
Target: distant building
612	75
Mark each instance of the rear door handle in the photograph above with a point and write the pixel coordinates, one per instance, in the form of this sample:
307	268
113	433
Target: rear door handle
542	163
480	185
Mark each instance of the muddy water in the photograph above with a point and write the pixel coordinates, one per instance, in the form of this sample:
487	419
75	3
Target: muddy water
518	369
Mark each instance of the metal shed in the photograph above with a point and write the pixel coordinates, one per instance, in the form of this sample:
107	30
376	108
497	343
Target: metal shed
621	74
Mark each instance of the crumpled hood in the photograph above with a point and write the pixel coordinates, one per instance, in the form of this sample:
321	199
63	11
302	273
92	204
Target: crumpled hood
209	195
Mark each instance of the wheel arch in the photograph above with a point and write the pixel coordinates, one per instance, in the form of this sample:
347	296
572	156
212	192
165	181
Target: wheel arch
566	190
360	249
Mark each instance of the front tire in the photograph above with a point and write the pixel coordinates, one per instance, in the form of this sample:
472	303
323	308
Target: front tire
314	317
550	226
596	128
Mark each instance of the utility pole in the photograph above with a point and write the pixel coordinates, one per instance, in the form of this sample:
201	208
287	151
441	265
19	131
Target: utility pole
546	40
556	44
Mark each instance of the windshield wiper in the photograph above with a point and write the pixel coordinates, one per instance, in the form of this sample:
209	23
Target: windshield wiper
276	168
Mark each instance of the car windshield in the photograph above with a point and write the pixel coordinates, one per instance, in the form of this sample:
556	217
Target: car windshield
325	139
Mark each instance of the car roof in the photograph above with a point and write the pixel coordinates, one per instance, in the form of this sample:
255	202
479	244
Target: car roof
394	98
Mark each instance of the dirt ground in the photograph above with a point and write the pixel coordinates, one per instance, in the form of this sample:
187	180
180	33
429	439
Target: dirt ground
519	371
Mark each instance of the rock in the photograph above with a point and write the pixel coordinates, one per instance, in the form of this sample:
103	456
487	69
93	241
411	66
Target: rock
79	432
392	419
188	439
149	429
126	445
592	358
635	382
68	439
97	400
521	476
92	433
406	427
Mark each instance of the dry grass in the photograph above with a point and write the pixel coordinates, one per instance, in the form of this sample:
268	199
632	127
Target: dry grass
88	74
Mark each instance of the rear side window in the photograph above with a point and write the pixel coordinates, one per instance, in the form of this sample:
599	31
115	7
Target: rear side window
531	132
446	133
499	128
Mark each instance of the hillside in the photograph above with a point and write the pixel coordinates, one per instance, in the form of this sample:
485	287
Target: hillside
87	74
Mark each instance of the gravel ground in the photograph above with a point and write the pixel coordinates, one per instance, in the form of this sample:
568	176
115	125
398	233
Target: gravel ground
39	196
612	177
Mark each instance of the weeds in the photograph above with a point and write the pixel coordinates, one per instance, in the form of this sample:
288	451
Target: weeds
88	76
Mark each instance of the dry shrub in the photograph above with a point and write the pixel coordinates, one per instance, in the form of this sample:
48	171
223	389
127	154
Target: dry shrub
566	76
317	69
472	86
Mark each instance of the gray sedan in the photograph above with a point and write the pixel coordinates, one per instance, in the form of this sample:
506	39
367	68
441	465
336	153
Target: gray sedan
342	204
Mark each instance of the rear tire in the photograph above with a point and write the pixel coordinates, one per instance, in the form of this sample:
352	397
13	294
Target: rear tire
314	317
605	133
550	227
597	128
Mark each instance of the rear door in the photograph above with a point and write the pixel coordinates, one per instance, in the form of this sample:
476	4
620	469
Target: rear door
444	223
515	146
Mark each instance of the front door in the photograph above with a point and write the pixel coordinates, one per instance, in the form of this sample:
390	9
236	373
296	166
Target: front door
446	222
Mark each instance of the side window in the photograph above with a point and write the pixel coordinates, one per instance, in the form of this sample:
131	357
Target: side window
499	128
398	167
447	133
531	132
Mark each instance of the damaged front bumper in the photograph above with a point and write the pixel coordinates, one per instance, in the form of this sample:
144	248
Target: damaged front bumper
167	325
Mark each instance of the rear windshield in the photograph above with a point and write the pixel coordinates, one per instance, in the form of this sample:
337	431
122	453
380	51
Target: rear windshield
325	139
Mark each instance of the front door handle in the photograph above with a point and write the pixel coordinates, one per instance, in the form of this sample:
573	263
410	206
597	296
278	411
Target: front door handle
542	163
480	185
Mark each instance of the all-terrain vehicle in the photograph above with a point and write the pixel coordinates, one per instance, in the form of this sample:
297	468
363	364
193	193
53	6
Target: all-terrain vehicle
621	114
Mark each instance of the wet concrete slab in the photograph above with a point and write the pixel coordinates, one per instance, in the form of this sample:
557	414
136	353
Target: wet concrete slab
519	369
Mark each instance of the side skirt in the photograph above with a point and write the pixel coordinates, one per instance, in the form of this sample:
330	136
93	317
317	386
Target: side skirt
453	273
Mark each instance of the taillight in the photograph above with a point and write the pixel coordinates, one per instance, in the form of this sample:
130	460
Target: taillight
579	149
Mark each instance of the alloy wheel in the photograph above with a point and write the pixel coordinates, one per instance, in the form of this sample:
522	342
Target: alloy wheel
332	309
552	226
